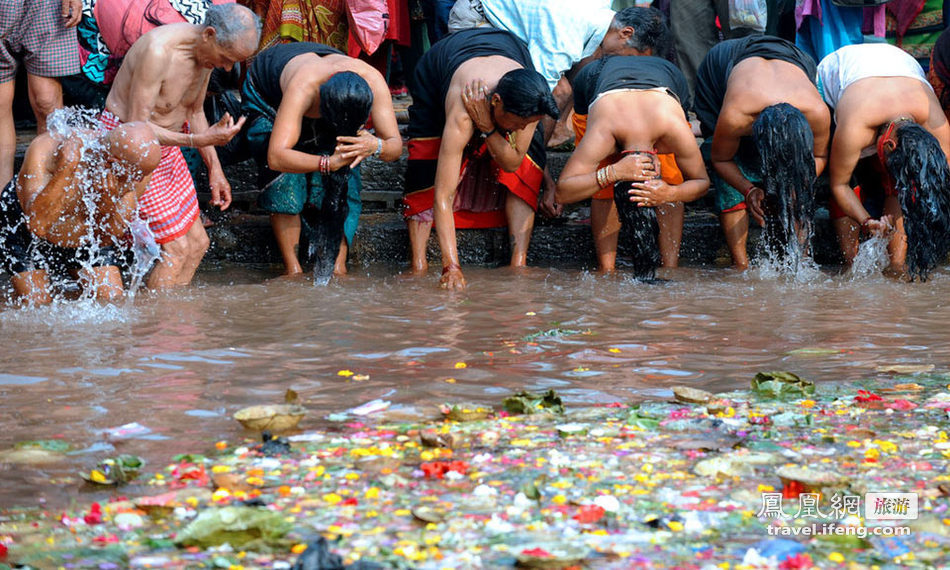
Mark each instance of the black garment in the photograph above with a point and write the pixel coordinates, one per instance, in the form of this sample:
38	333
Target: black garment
435	69
21	251
713	74
267	67
628	72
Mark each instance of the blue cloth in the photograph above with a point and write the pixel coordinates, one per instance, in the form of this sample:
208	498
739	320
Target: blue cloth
285	192
559	33
837	28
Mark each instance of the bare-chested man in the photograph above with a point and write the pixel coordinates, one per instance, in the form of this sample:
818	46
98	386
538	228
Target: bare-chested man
71	205
893	136
306	104
476	105
635	105
736	81
163	80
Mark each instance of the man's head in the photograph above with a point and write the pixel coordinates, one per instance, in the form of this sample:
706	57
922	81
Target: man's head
918	168
637	31
231	34
345	102
133	149
521	97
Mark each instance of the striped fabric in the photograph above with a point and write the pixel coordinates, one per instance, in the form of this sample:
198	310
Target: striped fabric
170	203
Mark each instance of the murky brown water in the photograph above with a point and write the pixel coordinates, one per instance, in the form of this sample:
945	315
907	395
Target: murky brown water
181	363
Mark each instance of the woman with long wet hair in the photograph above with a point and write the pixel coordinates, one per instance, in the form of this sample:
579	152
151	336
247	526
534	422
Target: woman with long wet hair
785	142
306	104
892	137
918	172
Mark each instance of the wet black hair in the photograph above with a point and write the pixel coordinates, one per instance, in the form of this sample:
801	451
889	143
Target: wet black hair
922	180
345	102
785	144
639	230
525	93
650	31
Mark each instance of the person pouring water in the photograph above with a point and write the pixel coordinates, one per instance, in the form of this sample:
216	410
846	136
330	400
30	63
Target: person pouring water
69	208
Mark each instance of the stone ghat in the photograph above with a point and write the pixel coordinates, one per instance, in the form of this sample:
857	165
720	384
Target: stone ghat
242	234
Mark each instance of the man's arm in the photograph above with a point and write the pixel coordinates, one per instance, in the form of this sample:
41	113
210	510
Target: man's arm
145	85
458	130
220	187
45	197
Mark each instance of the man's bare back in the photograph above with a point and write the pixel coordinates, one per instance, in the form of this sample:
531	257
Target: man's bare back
161	61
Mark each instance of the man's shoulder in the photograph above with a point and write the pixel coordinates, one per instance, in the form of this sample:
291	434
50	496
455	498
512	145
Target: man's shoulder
161	40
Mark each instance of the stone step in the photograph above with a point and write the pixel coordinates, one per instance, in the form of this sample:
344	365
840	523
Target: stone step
382	238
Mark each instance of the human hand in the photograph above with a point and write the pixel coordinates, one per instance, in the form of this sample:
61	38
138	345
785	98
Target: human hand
69	153
220	189
72	12
363	145
477	101
651	193
879	228
221	132
638	167
753	203
452	278
549	206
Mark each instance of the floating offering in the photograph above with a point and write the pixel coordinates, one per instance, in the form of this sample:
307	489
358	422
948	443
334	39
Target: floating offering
273	417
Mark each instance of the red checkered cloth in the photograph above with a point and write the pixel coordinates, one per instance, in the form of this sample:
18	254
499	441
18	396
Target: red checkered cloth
33	31
170	202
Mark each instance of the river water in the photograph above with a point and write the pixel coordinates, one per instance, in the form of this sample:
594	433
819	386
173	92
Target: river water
180	363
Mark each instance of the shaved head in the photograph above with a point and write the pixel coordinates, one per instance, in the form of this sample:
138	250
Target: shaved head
135	145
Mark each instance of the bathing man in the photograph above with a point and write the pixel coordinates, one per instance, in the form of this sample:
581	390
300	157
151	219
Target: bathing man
893	136
163	80
70	206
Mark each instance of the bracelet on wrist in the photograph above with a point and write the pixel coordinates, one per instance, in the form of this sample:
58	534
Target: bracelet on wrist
485	135
379	147
749	190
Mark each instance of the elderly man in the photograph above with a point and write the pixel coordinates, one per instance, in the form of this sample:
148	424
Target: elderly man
476	105
42	34
71	204
163	80
893	137
736	82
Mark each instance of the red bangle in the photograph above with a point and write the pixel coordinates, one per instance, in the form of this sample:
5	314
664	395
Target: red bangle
450	267
748	190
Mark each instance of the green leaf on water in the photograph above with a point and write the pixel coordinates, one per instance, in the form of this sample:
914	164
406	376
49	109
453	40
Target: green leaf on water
525	402
781	385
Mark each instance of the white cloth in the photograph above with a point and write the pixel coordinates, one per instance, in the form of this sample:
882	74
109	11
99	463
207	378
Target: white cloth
559	33
849	64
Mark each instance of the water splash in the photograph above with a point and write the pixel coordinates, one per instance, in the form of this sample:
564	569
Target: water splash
871	259
96	174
